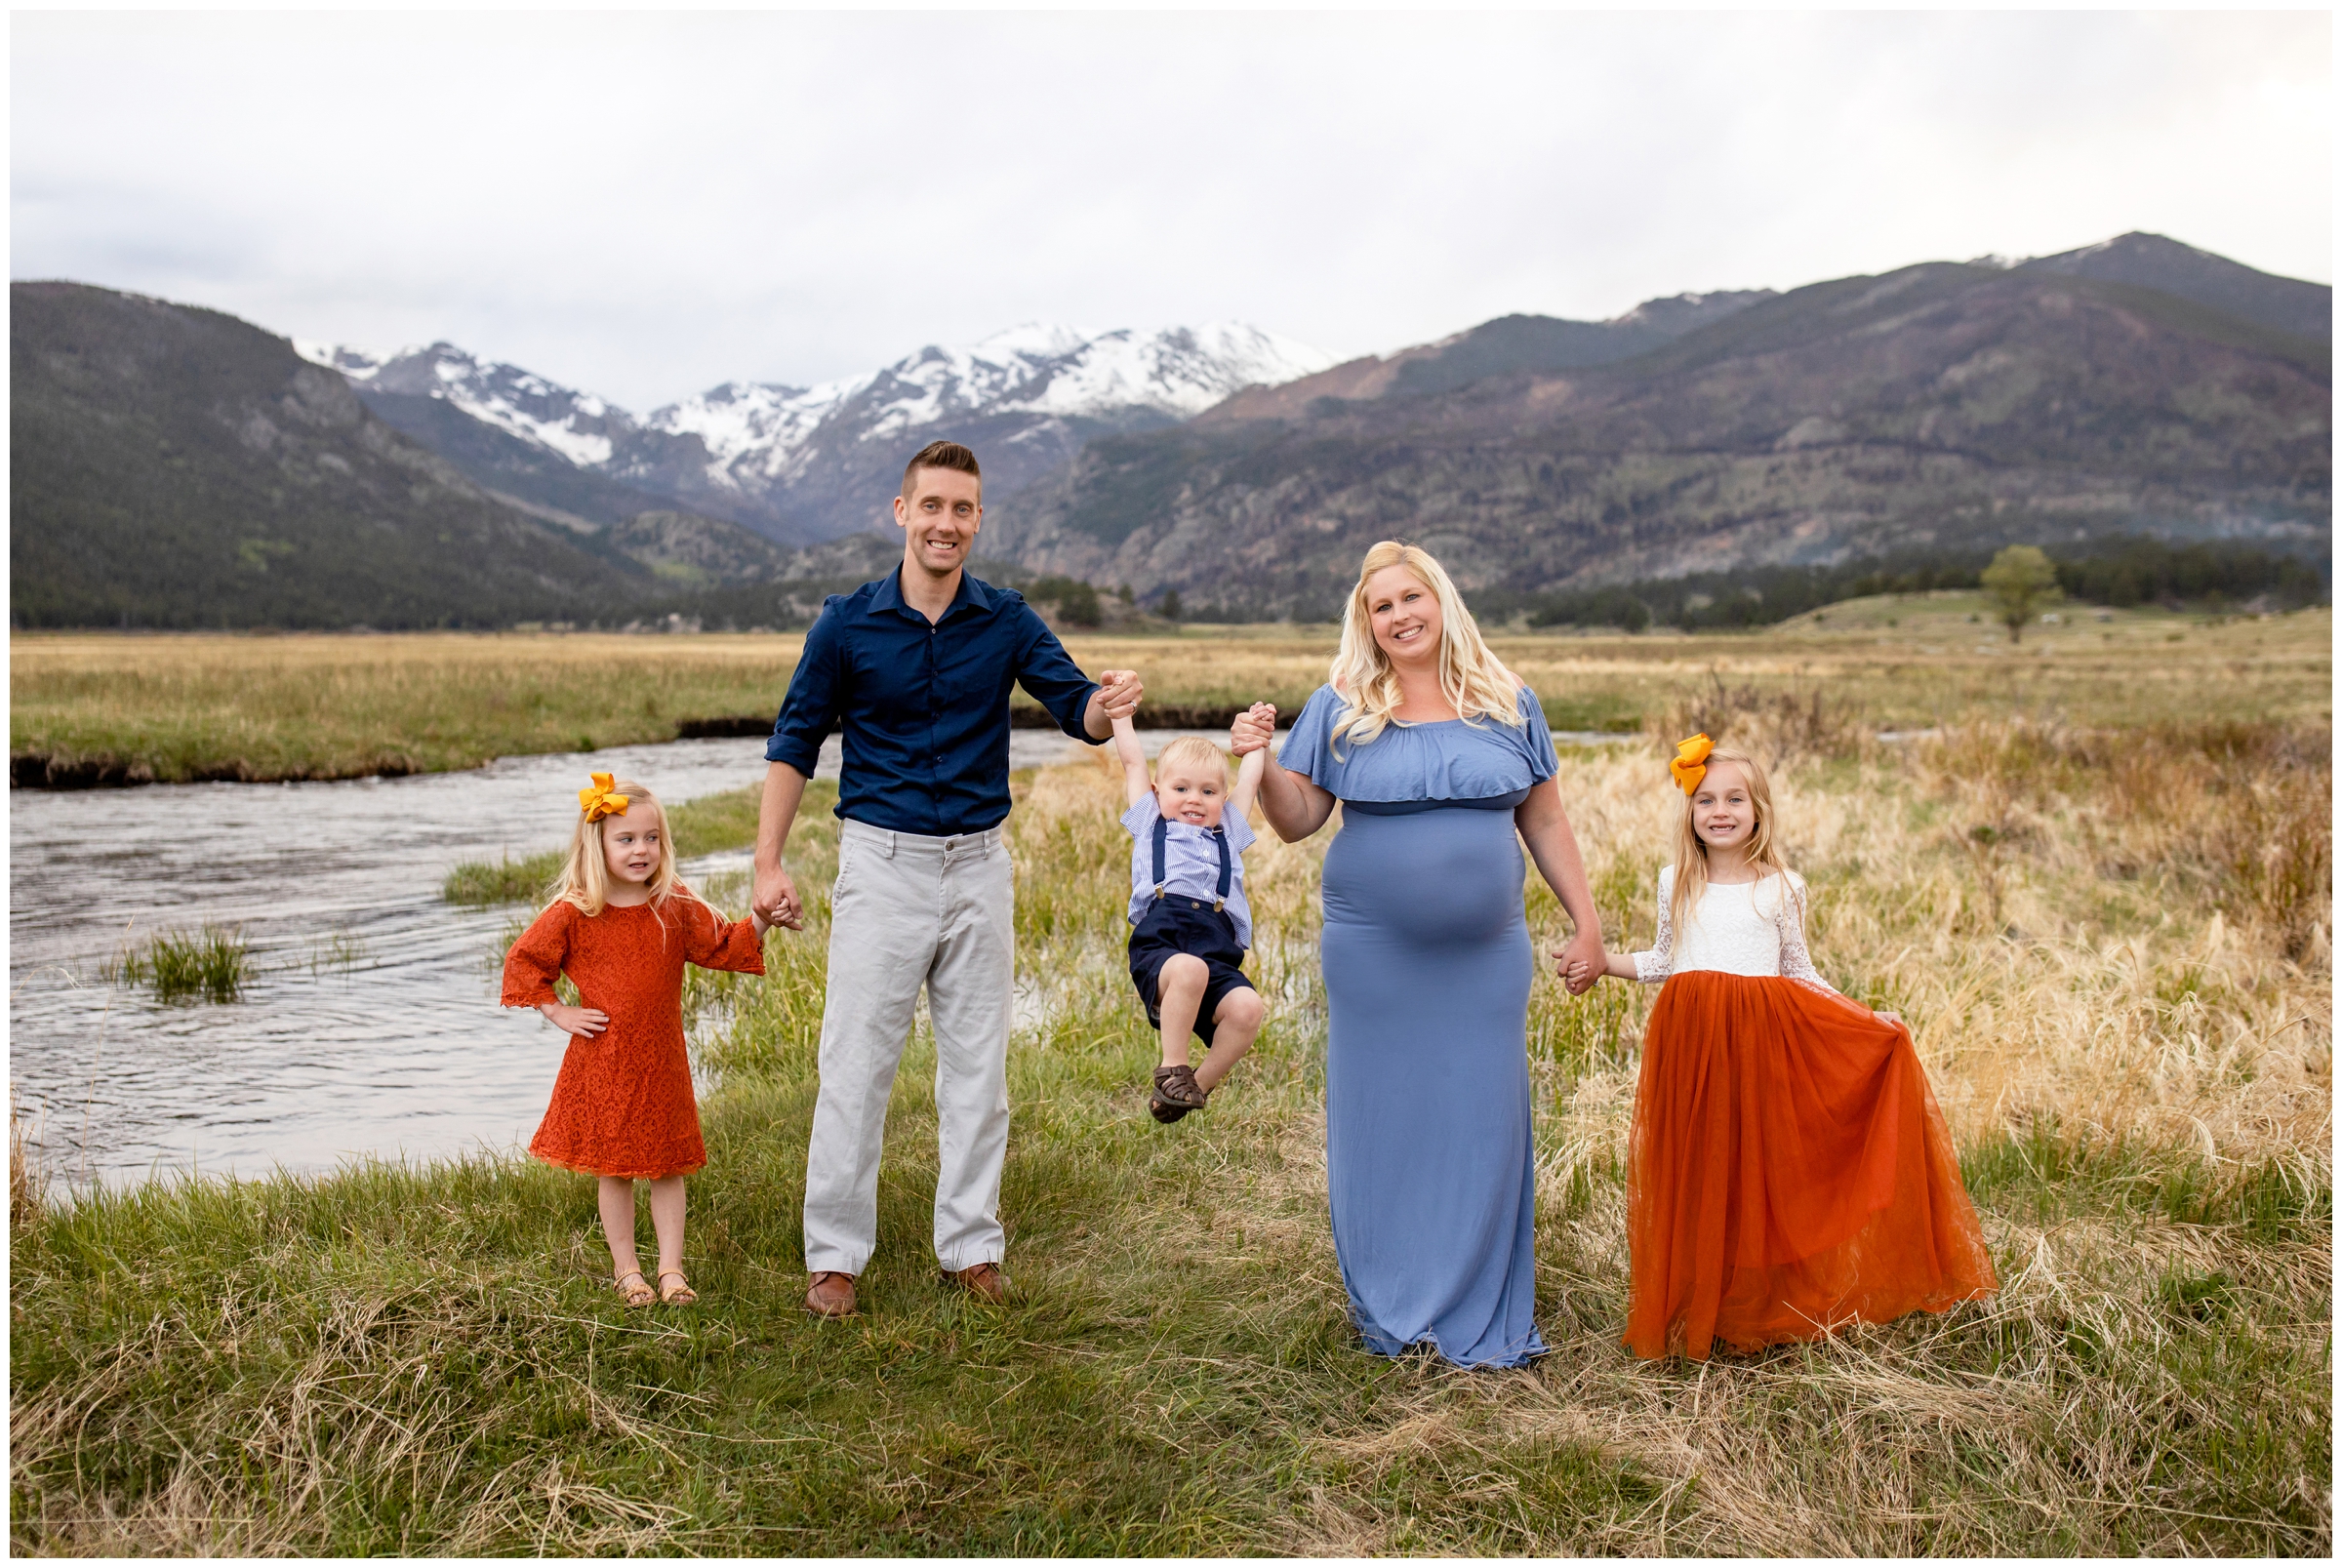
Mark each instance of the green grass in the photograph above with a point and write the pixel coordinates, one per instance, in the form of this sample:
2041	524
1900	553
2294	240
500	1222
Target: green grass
503	881
210	966
429	1359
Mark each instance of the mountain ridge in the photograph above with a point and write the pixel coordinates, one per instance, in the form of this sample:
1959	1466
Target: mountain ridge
1940	404
175	466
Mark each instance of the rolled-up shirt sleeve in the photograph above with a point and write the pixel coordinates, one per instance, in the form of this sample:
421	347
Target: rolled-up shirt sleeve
810	710
1049	675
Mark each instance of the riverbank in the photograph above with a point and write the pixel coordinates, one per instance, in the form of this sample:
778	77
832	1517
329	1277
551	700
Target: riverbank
2114	954
91	709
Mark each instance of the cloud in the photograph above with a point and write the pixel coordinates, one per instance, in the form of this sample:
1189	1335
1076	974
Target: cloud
648	204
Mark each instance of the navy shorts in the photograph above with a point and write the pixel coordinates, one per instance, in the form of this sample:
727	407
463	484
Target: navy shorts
1177	924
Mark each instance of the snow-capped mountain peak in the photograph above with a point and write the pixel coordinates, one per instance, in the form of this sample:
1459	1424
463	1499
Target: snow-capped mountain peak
760	434
812	461
521	403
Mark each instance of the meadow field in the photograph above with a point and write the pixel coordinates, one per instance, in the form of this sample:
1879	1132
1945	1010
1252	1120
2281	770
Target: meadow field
2098	887
108	708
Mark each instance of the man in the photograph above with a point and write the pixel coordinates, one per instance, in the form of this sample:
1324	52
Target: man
916	668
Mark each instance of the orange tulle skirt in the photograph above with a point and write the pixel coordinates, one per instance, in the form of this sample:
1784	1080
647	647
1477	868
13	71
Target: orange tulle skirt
1788	1172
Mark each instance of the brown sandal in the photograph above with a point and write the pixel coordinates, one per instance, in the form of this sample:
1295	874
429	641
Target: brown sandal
680	1293
1176	1093
639	1295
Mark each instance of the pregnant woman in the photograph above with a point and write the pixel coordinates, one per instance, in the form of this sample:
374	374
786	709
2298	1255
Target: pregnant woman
1437	756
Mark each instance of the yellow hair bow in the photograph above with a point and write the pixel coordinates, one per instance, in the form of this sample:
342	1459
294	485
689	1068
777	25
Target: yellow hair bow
598	800
1691	761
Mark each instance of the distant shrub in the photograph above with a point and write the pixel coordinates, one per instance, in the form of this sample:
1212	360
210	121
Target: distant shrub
1076	602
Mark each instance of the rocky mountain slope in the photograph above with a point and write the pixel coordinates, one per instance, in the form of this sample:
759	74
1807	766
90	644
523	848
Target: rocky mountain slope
1941	405
174	466
2152	261
1498	347
801	465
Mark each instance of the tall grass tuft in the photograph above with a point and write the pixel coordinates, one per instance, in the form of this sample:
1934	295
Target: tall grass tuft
211	965
504	881
27	1178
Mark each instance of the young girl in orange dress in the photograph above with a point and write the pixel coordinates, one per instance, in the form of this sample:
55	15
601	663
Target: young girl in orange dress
622	925
1788	1172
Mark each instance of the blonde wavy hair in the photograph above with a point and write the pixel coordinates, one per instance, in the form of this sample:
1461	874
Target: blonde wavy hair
1764	847
584	879
1195	751
1471	677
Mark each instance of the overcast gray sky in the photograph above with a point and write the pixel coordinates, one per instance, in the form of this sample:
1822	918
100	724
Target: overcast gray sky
646	205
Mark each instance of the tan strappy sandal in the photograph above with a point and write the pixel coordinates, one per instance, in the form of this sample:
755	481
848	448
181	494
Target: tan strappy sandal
679	1294
639	1293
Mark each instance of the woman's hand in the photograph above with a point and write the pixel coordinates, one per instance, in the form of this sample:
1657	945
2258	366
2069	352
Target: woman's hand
1253	729
1887	1017
585	1020
1581	962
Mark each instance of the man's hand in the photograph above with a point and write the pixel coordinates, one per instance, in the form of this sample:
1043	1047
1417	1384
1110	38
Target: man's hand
1581	963
586	1021
1116	697
774	899
1253	729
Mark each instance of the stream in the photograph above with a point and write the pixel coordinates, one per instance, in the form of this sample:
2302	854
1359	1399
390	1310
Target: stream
370	1025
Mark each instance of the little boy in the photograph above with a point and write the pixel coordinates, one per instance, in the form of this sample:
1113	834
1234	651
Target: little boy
1190	922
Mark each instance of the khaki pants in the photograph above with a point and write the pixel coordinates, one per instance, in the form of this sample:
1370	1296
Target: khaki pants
909	911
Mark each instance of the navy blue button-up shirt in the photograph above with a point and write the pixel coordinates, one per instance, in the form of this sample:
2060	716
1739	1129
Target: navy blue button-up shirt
925	706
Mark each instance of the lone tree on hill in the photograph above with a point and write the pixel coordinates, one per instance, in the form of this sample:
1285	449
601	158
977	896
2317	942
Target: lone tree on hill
2020	584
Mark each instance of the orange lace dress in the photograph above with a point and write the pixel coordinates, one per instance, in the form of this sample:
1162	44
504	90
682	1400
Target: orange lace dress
623	1105
1788	1171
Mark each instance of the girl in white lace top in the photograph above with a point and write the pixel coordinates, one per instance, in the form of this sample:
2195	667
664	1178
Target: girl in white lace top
1787	1170
1738	928
1741	911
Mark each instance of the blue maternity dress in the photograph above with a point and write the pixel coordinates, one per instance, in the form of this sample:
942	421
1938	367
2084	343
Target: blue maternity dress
1427	965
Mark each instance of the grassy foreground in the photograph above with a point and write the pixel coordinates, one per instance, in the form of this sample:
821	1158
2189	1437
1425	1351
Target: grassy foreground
94	707
2114	951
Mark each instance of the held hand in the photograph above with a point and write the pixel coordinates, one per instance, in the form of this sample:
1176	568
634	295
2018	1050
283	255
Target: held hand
774	899
586	1021
1253	729
1118	693
1581	962
1887	1017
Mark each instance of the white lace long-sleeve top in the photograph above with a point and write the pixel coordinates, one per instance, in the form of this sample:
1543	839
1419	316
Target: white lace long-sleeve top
1742	928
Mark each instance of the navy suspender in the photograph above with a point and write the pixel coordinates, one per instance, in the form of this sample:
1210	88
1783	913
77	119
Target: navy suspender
1162	831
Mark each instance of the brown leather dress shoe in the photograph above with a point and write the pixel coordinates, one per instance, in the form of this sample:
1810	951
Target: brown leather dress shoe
983	1282
831	1294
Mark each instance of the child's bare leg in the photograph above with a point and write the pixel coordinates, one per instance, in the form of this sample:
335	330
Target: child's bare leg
1234	1025
1177	992
666	1219
616	1194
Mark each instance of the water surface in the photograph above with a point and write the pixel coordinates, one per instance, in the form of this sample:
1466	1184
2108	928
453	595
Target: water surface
370	1027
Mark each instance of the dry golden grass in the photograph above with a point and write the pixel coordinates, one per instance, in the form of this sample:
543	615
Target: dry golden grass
94	707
